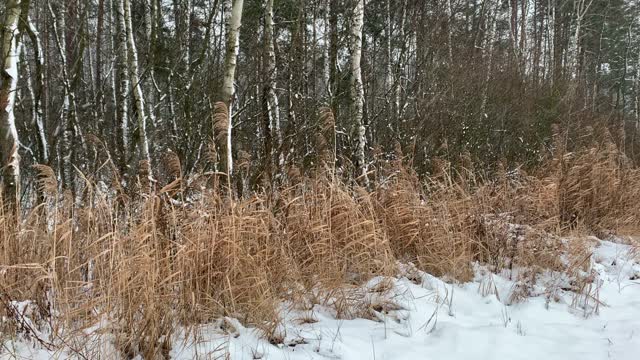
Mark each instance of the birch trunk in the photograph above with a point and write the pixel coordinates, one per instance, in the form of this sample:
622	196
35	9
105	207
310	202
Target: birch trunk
113	84
357	92
581	8
333	57
271	110
122	54
388	81
271	71
636	83
326	72
68	111
36	83
99	83
138	96
401	64
150	30
230	61
10	159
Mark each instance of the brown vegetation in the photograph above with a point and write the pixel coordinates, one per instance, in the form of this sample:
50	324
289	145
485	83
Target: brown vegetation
189	253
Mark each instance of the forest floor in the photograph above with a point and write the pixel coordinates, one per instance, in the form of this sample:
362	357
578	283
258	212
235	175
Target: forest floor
418	316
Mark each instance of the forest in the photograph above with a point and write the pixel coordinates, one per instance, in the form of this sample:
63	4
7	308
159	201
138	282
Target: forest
171	164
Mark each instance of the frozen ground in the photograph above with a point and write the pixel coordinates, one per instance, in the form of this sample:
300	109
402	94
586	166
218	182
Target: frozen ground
430	319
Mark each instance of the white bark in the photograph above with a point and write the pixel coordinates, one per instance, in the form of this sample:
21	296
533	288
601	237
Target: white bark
113	87
150	31
326	72
389	33
10	159
231	56
580	7
401	63
122	55
68	112
136	87
636	83
270	68
357	92
35	86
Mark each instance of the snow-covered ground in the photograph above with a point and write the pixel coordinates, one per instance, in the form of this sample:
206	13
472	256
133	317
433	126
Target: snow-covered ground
430	319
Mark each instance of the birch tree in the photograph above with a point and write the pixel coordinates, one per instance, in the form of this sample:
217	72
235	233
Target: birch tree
388	80
122	108
138	96
425	73
68	111
271	71
357	92
8	134
326	31
271	108
402	36
636	86
230	61
35	81
581	7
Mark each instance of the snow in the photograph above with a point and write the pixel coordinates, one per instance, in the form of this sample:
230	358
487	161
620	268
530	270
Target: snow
425	317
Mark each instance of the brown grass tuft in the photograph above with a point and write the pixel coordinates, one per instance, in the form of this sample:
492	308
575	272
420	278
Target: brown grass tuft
220	121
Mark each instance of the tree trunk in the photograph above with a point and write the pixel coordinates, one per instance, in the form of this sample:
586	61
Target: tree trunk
388	81
122	55
182	14
36	83
233	47
581	7
271	108
271	71
138	96
636	83
400	66
150	30
357	92
99	83
10	159
449	29
491	39
333	57
326	67
65	149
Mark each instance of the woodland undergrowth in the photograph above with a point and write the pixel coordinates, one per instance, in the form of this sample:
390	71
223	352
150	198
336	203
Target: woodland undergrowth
141	267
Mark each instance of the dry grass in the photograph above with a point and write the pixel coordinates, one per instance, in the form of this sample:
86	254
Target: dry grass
139	268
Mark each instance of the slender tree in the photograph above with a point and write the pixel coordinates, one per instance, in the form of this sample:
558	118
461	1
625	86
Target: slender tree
8	134
35	81
122	89
138	96
357	91
65	148
230	61
271	70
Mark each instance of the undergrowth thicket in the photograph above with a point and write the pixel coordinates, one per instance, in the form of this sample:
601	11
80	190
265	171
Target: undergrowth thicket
189	253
